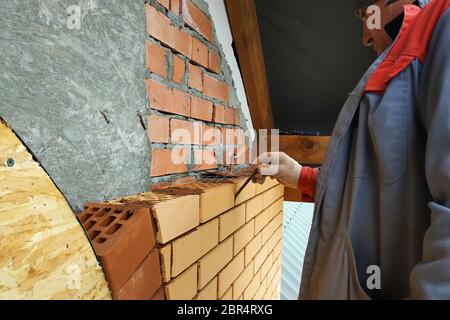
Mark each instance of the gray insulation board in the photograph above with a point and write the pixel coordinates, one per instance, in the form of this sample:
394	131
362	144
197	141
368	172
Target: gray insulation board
76	97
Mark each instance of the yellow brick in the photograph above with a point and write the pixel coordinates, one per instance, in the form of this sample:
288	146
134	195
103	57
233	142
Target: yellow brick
250	291
274	296
278	274
253	207
230	273
183	287
276	208
243	236
278	284
277	260
268	183
252	248
273	269
242	281
278	290
209	292
248	192
272	242
261	220
276	280
277	249
271	285
166	212
259	294
189	248
210	265
228	295
272	227
278	220
267	295
165	254
230	221
260	257
216	200
272	195
274	238
268	231
266	266
279	233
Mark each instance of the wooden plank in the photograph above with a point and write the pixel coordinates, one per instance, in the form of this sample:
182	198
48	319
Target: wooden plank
307	150
244	27
44	253
292	195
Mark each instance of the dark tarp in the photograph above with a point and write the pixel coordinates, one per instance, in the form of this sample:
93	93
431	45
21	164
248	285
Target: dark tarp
314	58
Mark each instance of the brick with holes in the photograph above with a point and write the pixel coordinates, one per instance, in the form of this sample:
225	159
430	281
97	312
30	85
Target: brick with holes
121	235
165	204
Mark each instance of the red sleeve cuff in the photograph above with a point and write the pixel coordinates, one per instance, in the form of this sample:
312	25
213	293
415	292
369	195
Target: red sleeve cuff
307	183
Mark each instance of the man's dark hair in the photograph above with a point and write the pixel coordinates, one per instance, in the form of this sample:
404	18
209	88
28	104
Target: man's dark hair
362	4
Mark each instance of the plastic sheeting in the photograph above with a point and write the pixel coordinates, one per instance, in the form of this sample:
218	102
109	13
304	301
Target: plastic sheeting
296	227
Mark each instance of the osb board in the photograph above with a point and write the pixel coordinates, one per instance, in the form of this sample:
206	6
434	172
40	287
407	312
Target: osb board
44	254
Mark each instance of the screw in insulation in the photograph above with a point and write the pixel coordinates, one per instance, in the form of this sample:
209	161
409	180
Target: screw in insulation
10	162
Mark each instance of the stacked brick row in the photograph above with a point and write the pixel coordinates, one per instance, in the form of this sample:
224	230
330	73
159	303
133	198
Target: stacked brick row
187	90
209	244
123	238
235	251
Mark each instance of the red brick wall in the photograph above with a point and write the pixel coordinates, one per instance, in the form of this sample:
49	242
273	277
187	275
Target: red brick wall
187	92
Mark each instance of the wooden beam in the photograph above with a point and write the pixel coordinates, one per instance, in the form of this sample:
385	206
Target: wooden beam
292	195
307	150
244	27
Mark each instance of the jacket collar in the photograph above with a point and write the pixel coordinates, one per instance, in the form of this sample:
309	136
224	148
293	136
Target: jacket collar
412	42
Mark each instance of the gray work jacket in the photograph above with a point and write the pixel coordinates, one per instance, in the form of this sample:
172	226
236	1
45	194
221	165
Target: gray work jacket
381	226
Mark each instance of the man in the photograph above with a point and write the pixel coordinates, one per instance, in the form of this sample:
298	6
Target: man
381	226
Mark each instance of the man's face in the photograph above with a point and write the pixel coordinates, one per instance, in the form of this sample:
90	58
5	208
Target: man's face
377	38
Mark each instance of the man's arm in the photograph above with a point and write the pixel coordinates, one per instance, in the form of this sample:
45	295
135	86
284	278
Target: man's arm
307	183
430	279
289	172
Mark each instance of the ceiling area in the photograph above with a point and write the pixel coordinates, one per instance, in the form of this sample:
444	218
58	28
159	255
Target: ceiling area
313	58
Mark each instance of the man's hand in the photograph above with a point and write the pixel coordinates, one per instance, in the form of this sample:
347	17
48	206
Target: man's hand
280	166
